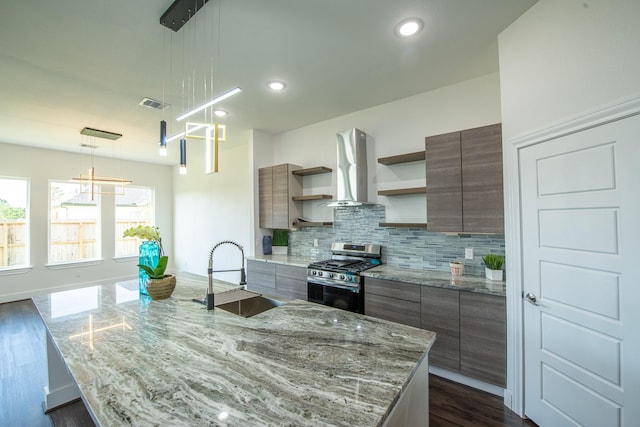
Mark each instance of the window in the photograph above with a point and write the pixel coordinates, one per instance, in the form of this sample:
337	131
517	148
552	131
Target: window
134	207
74	224
14	223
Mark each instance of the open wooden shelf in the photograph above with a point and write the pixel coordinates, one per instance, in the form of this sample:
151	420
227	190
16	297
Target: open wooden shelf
312	197
312	171
404	224
403	191
402	158
311	224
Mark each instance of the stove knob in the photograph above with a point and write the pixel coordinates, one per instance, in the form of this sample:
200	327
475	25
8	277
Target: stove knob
342	277
330	275
313	272
319	273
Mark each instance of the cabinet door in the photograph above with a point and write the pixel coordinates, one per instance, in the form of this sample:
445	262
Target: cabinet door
390	300
265	196
482	195
291	282
440	313
261	277
483	344
280	197
444	182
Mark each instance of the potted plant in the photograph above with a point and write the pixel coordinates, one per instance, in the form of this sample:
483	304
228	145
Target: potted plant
159	285
493	266
150	250
280	242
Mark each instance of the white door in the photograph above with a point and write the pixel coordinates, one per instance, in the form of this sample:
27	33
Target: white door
580	200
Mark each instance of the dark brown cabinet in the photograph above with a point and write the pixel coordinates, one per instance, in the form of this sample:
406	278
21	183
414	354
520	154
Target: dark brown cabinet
276	188
464	181
441	314
390	300
483	337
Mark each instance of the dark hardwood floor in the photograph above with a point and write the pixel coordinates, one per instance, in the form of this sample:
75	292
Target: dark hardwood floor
23	375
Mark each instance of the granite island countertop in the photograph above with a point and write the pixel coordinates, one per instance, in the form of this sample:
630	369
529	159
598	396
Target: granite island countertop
171	362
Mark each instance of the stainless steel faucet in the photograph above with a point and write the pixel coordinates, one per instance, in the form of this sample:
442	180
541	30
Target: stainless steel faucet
209	300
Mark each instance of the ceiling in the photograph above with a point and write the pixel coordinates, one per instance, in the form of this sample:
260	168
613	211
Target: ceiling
67	64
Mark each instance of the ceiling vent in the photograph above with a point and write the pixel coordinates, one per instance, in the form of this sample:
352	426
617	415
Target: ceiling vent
153	103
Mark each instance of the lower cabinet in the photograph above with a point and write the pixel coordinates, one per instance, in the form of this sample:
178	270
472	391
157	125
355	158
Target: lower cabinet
291	282
390	300
278	280
483	337
440	313
470	326
261	277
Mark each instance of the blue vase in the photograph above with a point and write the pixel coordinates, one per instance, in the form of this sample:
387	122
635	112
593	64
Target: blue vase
149	256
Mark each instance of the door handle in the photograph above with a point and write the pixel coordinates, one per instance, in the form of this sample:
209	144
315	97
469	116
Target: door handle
531	298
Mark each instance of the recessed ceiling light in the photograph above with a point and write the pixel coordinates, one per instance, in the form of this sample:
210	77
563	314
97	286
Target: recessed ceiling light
409	27
276	85
220	113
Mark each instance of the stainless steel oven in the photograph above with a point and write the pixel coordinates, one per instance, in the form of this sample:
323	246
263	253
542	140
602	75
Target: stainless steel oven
337	282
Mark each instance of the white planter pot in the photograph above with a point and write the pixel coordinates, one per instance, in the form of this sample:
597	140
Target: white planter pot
279	250
495	275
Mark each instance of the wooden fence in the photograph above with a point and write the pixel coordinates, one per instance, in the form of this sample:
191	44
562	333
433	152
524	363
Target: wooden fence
70	241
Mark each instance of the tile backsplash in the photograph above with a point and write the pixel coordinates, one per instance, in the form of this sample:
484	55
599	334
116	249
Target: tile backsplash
414	248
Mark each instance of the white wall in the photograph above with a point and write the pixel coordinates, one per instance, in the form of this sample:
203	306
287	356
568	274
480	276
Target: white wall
559	61
40	166
215	207
565	58
394	128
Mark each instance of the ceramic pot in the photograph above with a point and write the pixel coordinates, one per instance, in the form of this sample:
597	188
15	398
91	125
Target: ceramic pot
161	288
495	275
457	268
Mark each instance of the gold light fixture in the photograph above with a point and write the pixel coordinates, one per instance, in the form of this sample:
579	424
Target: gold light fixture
90	182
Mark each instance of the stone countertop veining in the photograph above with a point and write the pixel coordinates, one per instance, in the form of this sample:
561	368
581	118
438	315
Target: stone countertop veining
171	362
296	261
438	279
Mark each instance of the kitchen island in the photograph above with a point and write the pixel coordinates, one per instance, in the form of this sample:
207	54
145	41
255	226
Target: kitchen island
171	362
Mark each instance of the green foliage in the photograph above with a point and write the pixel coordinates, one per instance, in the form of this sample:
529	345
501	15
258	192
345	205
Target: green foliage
158	271
493	261
280	238
8	212
144	232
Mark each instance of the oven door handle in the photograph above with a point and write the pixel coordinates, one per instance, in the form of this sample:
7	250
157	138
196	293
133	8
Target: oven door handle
318	281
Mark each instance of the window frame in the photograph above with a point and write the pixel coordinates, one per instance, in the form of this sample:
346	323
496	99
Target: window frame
115	220
26	266
98	232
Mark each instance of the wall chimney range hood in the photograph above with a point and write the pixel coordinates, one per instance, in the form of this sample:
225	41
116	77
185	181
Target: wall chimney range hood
352	169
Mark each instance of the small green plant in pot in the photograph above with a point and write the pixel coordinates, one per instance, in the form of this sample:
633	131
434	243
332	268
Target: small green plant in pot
159	284
280	242
493	266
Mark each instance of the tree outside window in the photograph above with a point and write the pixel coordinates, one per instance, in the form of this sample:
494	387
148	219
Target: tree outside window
14	226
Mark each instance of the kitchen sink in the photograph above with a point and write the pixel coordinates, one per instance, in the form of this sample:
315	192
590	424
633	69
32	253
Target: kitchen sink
250	306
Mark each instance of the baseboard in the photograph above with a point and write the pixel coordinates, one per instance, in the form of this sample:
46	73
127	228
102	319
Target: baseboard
471	382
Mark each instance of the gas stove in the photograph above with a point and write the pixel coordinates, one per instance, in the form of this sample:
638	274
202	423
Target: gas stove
344	267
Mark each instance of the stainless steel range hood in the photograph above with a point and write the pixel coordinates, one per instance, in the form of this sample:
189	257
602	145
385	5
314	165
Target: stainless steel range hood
352	168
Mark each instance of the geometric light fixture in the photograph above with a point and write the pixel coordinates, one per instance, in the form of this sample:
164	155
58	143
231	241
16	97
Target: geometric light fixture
89	182
208	104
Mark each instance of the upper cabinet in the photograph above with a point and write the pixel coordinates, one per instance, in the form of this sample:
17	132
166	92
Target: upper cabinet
464	179
276	188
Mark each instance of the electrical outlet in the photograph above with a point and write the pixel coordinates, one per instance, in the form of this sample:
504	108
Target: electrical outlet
468	253
315	243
